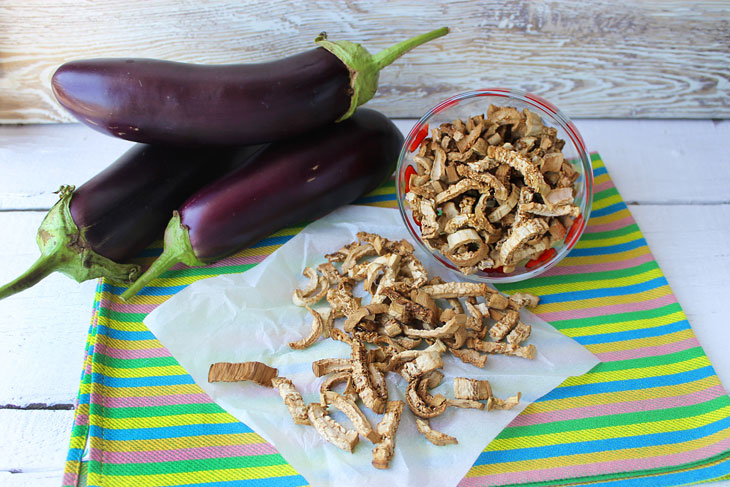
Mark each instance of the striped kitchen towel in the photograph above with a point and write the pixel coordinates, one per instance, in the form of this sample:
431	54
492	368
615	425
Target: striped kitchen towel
652	413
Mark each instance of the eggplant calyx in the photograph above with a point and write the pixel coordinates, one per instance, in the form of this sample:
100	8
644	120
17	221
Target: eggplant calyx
177	249
63	249
365	68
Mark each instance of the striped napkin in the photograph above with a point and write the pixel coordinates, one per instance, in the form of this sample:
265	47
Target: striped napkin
652	413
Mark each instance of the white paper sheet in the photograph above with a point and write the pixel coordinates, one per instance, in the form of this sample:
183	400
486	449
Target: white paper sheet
250	316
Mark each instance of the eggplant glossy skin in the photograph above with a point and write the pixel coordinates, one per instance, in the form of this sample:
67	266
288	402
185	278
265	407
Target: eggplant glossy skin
164	102
292	182
125	207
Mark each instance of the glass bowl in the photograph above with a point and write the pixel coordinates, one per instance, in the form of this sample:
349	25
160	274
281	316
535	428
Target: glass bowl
477	102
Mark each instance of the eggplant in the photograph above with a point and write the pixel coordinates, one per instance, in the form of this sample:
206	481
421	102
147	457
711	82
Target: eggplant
289	182
91	231
164	102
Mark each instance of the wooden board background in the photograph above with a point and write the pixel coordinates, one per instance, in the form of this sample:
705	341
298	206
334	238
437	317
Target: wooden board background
594	59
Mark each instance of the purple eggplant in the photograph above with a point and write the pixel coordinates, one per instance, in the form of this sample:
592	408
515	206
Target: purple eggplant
287	183
164	102
91	231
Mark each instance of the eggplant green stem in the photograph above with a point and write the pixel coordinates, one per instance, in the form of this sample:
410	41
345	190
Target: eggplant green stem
365	68
64	249
177	249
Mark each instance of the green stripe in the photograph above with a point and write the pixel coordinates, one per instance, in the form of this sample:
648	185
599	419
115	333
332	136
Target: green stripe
141	363
578	278
121	317
639	419
653	361
168	410
606	193
611	233
191	466
209	271
647	314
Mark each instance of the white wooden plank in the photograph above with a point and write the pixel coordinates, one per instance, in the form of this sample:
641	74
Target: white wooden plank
31	479
42	330
591	58
643	156
34	442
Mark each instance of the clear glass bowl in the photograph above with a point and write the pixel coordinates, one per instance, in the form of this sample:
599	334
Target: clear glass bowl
477	102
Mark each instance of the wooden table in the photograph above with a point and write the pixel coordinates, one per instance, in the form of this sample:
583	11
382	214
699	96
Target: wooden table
674	174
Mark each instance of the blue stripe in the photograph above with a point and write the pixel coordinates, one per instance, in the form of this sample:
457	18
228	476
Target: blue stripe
599	171
289	481
607	444
375	198
132	336
151	381
165	432
609	209
633	334
609	249
603	292
562	392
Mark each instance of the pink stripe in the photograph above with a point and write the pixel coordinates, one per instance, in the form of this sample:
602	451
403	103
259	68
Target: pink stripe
149	401
655	404
603	186
131	354
615	466
130	308
567	269
649	351
201	453
70	479
81	420
609	227
228	261
607	310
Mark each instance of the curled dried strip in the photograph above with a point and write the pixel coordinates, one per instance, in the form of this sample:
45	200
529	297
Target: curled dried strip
369	382
465	404
506	349
331	430
354	414
506	206
468	171
456	289
532	175
500	329
509	403
293	400
425	362
318	326
436	437
257	372
444	331
472	389
458	247
341	298
384	450
519	334
327	366
356	253
524	300
335	379
545	210
470	356
330	272
358	315
421	403
461	187
411	308
314	291
521	233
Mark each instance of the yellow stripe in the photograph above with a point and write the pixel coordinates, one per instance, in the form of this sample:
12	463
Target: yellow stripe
637	343
638	373
599	457
149	391
655	293
163	421
606	202
629	325
124	373
596	284
125	325
202	476
606	432
140	299
610	218
606	398
601	179
183	442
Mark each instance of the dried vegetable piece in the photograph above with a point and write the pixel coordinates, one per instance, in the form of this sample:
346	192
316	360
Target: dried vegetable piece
472	389
470	178
293	400
318	325
327	366
435	437
314	291
384	450
353	413
257	372
331	430
509	403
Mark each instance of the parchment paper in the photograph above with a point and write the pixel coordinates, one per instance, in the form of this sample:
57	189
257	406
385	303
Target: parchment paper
250	316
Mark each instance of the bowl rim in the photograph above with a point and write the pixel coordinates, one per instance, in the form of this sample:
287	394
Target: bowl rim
545	108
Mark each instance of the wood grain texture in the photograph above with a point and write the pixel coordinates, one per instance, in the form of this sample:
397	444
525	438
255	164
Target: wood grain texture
597	58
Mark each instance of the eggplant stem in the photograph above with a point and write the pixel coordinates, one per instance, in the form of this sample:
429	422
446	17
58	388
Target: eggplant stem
390	54
45	265
177	249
